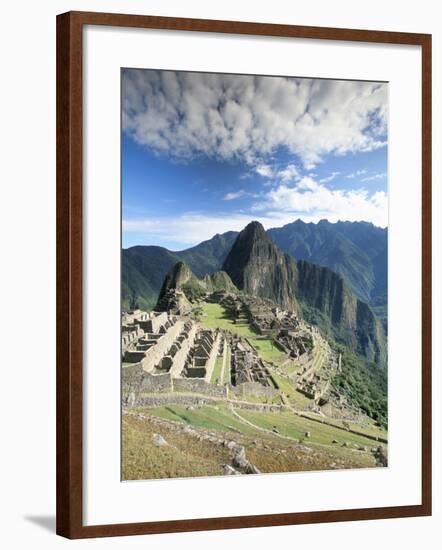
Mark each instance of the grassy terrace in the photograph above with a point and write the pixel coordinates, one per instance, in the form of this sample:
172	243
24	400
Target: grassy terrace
214	316
204	417
216	374
287	387
226	375
319	357
368	426
221	419
294	426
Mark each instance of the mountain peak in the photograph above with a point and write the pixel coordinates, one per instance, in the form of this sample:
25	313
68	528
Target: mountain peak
180	274
257	266
254	229
180	271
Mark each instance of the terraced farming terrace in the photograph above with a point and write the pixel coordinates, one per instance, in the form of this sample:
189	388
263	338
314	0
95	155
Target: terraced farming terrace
234	385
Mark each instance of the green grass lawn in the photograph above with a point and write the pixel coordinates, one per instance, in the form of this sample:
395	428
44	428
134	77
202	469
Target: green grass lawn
203	417
226	376
367	427
288	424
214	316
319	357
285	385
288	387
294	426
216	374
276	400
292	367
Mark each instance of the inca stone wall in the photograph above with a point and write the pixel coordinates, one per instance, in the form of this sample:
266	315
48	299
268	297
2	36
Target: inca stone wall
154	354
135	381
154	324
254	388
180	356
156	383
131	380
199	385
212	358
156	400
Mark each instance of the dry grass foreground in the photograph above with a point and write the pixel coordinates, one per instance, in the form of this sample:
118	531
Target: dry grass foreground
200	448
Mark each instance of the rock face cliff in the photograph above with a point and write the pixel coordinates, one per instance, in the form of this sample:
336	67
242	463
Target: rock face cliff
258	267
178	276
355	250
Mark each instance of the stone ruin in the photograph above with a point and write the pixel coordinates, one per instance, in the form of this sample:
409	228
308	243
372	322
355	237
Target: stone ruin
247	368
165	352
159	348
130	328
260	313
295	342
316	384
201	358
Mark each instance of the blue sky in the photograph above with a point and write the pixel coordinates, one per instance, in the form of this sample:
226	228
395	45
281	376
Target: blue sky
203	154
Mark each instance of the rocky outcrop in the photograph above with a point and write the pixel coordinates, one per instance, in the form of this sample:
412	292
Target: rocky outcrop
219	282
181	287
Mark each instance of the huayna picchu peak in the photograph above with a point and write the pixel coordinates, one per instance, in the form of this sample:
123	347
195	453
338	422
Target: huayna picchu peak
257	267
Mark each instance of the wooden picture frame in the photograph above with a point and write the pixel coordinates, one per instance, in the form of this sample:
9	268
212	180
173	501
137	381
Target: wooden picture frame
70	272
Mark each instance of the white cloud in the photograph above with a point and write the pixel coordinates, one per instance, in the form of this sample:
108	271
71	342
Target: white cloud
264	170
239	195
249	117
356	174
245	176
307	200
274	172
311	200
379	176
289	173
186	230
235	195
331	177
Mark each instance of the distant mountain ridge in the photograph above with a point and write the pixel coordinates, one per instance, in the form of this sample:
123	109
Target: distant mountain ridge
144	267
355	250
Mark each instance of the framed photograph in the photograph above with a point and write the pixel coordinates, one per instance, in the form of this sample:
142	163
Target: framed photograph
243	274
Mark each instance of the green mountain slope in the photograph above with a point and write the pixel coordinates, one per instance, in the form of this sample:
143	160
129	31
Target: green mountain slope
144	267
355	250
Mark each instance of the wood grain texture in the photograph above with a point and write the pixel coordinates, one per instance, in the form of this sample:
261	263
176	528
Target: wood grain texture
70	273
